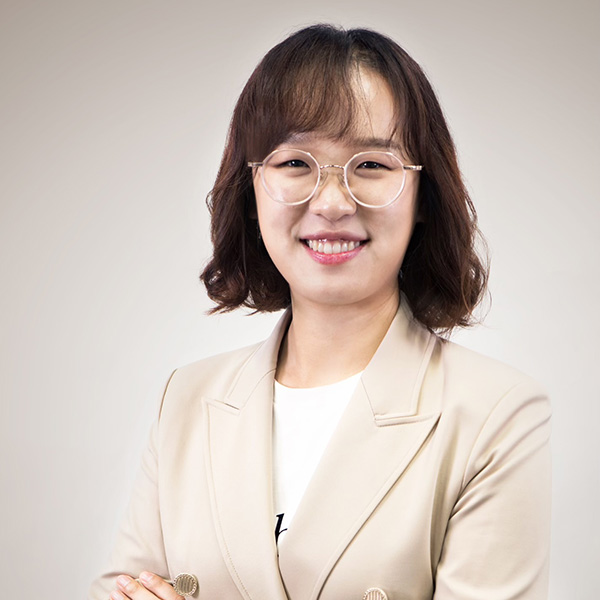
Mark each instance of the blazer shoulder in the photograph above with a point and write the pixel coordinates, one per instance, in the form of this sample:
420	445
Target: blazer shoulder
473	379
489	409
208	377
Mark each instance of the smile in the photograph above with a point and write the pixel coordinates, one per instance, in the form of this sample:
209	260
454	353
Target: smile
333	252
332	247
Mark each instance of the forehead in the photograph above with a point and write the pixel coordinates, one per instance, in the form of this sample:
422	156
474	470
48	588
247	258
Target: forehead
374	120
376	113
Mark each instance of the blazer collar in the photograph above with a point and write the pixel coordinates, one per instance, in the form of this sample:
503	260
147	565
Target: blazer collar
393	378
404	352
262	362
378	435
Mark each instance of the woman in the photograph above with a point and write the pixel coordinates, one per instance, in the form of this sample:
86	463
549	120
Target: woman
354	454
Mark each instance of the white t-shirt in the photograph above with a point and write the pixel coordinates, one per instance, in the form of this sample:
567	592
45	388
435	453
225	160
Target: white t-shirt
303	422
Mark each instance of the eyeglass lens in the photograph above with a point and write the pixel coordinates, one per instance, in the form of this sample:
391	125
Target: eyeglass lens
374	178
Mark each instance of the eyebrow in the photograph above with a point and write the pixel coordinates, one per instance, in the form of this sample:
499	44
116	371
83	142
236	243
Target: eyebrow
366	142
375	142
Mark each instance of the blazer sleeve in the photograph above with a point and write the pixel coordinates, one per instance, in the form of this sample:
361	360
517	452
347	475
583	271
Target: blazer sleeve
498	537
139	545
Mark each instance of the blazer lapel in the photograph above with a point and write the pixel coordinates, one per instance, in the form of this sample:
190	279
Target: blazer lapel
378	435
238	441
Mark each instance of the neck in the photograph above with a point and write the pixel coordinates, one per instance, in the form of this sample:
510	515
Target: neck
325	344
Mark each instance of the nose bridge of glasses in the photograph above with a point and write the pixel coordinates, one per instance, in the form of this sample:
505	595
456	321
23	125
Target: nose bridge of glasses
323	174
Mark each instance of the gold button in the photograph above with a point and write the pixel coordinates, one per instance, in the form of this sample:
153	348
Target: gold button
185	584
375	594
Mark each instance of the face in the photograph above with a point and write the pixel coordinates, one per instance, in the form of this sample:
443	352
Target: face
331	250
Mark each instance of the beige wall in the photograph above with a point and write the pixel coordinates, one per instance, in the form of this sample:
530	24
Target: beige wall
113	119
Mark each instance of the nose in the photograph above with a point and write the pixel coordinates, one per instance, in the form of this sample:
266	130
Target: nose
332	199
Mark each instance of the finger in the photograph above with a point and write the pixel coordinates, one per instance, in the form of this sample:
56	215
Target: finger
131	589
159	586
116	595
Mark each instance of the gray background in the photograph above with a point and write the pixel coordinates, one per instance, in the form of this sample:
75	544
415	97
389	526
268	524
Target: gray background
114	115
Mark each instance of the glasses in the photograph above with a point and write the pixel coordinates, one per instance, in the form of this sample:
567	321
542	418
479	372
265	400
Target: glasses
374	179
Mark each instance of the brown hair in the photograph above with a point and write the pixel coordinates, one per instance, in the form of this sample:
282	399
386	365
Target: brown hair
304	84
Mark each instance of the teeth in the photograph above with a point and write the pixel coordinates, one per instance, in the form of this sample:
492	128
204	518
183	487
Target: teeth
326	247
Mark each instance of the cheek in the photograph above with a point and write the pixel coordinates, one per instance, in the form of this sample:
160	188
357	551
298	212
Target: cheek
397	224
276	221
394	231
277	228
271	221
409	209
264	214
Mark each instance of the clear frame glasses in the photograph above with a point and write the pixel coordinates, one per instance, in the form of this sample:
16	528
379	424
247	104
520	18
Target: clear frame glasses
373	179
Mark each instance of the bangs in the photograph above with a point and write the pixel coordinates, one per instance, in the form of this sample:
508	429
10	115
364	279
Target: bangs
307	86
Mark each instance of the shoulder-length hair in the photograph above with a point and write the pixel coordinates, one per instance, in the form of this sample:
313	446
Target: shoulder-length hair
305	84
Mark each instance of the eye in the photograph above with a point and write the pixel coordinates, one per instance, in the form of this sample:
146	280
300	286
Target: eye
293	163
371	164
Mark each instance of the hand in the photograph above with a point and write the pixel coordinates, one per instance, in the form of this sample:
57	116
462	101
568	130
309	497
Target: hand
148	587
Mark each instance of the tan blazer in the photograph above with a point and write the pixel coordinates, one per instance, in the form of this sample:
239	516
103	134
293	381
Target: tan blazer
436	483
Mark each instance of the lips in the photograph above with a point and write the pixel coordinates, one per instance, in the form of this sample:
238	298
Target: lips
337	246
333	250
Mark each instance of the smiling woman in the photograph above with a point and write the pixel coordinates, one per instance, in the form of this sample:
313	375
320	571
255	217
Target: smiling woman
364	91
354	453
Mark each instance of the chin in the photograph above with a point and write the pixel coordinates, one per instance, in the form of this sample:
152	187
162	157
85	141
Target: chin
330	296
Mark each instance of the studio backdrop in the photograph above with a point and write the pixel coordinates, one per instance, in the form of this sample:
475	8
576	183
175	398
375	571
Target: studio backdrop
114	116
